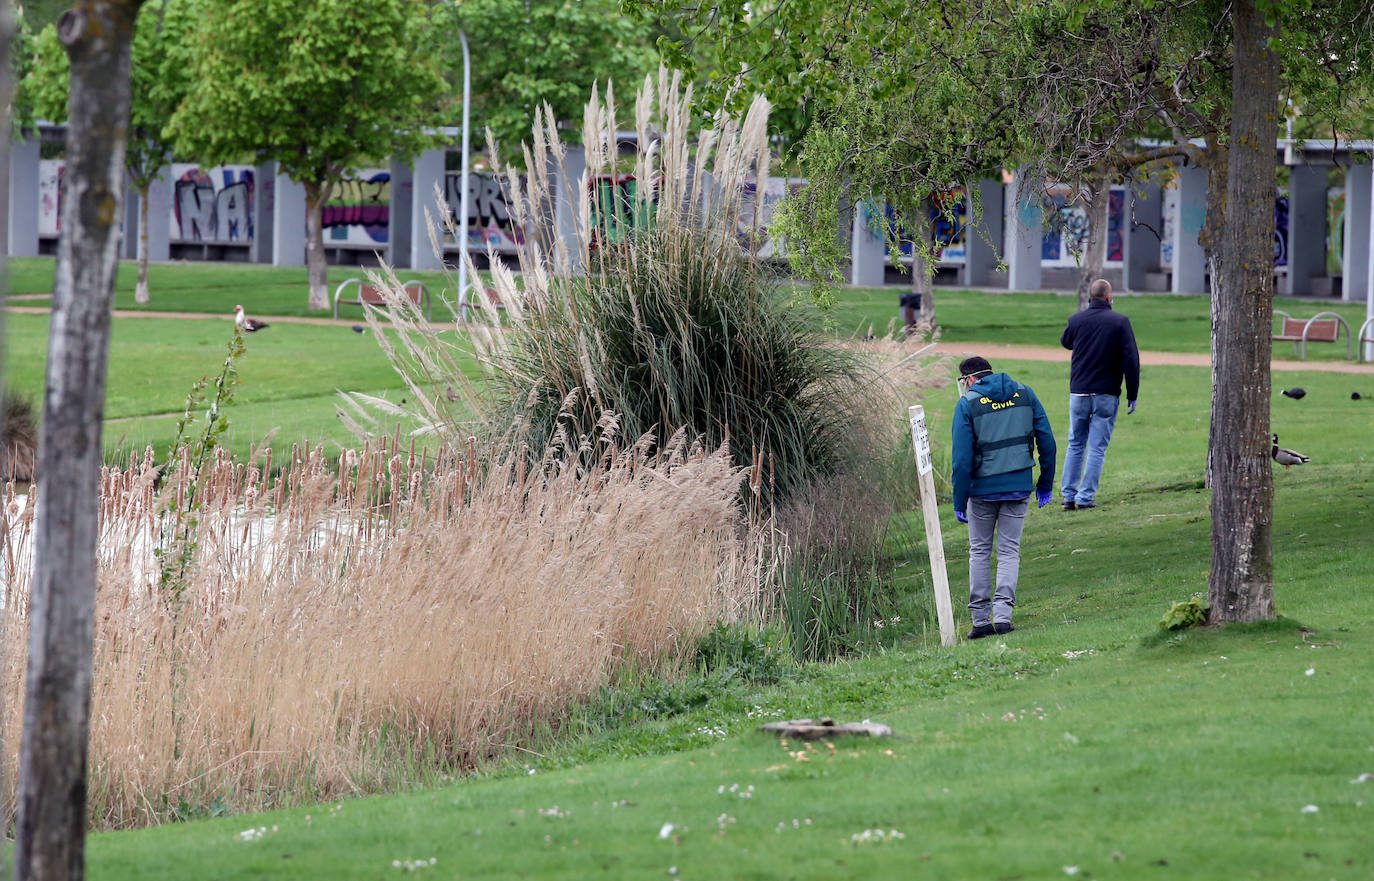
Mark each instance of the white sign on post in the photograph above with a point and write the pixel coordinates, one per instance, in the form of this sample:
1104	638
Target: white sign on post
920	438
939	577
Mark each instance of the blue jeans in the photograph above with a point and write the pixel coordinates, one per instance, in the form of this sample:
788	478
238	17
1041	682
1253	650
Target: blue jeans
1091	420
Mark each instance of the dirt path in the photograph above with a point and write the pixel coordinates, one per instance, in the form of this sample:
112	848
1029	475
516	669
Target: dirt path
991	351
193	316
994	351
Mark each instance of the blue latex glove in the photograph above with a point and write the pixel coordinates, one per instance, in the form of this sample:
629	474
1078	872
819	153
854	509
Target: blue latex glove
961	516
1130	407
1043	499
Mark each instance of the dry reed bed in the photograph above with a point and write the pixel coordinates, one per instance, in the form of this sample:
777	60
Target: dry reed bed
352	626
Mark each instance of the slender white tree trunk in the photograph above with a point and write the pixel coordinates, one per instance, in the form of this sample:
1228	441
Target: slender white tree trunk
50	833
141	291
316	267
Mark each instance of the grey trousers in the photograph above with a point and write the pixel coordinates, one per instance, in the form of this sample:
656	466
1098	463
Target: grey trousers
1007	519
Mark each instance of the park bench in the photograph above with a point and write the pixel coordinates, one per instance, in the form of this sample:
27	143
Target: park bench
1324	327
367	294
1366	335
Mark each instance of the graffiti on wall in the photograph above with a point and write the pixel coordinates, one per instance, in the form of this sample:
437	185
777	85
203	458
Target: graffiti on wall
489	219
756	213
616	212
49	189
212	204
358	210
1066	237
1335	230
947	214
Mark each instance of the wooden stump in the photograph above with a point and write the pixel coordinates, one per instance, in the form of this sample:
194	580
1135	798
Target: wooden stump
812	729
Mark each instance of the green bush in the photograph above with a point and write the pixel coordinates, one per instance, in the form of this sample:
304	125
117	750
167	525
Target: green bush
1192	612
737	651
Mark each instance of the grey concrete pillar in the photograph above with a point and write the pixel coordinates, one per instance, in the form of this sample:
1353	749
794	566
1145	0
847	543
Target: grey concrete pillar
1355	250
261	245
426	174
1025	233
128	227
1368	276
984	235
1190	263
159	218
867	252
399	217
288	221
1144	224
568	183
21	221
1306	228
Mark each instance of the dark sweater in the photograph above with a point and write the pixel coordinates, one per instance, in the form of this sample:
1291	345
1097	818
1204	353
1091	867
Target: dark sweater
1104	352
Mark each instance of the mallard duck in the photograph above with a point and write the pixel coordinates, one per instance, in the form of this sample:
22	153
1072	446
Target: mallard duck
1286	458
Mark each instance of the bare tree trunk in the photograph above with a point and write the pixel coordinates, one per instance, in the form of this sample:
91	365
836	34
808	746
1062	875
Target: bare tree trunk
6	30
50	833
316	267
1241	584
141	291
1098	198
922	274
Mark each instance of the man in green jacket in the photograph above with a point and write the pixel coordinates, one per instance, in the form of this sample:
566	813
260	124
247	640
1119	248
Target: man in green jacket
999	426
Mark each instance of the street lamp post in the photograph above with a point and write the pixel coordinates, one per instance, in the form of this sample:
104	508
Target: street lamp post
463	198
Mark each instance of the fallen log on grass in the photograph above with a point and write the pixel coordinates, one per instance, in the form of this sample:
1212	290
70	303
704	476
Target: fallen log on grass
809	729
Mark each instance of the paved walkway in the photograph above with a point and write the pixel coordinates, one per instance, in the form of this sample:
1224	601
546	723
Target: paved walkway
991	351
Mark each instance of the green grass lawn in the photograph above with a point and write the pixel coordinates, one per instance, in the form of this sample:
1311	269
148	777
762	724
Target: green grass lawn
1084	744
216	288
287	379
1162	322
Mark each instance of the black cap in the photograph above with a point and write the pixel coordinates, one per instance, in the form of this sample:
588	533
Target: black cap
974	366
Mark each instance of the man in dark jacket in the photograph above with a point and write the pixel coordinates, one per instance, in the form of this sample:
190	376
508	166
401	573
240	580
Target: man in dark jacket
1104	353
999	424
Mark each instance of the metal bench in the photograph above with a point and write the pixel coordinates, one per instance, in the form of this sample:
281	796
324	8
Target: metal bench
1366	335
1324	327
367	294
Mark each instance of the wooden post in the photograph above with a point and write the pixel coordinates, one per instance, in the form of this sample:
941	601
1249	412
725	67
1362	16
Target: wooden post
944	611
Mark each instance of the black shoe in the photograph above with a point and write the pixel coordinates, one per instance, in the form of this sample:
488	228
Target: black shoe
1083	506
1069	505
981	630
1000	628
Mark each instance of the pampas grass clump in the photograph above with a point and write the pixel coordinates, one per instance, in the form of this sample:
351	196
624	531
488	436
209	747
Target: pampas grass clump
638	303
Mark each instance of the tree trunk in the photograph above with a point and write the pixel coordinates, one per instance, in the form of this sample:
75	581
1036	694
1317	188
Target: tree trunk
51	827
923	273
1098	198
316	267
141	291
1241	584
6	31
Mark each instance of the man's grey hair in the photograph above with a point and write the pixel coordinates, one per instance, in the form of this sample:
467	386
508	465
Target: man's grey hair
1100	289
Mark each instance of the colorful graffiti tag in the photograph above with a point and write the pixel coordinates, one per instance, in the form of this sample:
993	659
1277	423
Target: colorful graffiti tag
947	214
49	201
358	211
1067	234
213	204
489	219
616	210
